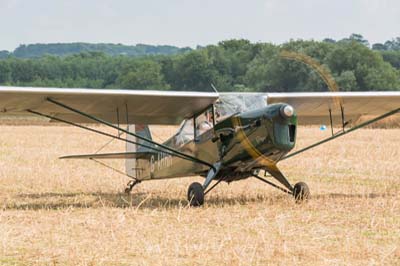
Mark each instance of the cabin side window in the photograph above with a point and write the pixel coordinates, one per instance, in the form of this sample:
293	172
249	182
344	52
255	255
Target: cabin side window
185	133
204	121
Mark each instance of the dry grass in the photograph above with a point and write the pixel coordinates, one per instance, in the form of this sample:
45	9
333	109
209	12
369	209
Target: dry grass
55	212
392	121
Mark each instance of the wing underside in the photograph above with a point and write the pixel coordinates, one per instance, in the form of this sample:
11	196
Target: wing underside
315	108
114	106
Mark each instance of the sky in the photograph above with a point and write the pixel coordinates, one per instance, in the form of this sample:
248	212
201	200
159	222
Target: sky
193	22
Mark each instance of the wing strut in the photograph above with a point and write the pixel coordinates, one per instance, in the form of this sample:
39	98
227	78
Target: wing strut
272	184
99	132
330	119
165	149
105	134
191	158
342	133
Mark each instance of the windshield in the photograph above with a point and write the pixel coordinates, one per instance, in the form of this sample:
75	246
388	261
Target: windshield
229	104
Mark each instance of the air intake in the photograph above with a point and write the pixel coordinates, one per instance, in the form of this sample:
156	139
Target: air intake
292	132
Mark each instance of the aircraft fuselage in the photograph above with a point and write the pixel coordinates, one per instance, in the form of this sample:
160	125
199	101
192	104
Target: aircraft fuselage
243	143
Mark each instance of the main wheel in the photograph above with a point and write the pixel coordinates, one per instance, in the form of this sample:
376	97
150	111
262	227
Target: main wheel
301	192
196	194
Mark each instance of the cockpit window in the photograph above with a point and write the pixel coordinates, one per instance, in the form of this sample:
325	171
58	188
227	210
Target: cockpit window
231	103
188	130
185	133
204	121
227	105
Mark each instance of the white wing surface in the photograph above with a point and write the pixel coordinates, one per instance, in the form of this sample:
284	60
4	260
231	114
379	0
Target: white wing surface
313	108
124	106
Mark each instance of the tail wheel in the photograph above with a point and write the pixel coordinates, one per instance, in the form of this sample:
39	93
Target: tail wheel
196	194
301	192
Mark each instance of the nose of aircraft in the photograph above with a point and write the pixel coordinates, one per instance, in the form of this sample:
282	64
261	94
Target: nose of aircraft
284	127
287	111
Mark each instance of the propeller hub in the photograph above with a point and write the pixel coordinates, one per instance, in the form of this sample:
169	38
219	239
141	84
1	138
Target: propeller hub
287	111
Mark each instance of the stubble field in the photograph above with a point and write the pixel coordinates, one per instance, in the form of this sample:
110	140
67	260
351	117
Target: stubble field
71	212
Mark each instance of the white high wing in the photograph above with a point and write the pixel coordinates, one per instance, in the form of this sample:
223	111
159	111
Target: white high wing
171	107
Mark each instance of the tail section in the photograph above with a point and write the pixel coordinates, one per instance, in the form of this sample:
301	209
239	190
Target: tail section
137	167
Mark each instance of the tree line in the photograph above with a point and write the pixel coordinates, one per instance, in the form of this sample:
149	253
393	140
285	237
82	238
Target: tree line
65	49
232	65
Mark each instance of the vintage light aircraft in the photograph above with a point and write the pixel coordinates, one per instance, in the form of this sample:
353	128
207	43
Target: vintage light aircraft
222	137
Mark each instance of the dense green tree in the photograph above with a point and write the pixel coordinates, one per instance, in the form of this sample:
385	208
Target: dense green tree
381	78
379	47
272	71
263	71
392	57
393	44
239	53
356	38
329	40
143	75
194	72
347	81
4	54
5	72
365	64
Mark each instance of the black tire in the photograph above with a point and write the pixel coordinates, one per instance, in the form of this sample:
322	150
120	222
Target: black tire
195	194
301	192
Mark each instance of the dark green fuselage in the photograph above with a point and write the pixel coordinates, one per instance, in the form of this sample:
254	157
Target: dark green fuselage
243	143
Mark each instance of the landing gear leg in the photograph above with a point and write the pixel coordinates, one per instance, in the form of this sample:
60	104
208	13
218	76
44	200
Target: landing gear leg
196	190
300	191
130	185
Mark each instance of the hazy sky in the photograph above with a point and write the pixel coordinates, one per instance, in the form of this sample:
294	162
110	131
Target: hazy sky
188	23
